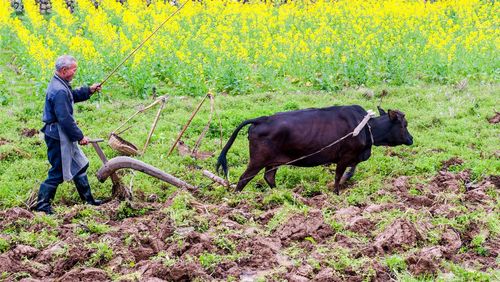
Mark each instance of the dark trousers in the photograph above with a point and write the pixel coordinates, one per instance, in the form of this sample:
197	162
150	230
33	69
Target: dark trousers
55	177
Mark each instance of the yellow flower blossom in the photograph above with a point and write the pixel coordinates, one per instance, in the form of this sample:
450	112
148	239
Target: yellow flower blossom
294	39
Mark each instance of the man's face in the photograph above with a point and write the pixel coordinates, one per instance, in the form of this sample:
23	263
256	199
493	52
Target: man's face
68	72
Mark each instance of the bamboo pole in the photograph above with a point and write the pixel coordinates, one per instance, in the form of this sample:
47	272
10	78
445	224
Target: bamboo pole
187	124
153	126
216	178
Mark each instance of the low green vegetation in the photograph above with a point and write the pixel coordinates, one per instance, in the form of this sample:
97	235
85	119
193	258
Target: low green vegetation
127	209
460	132
87	228
4	245
396	263
102	253
39	240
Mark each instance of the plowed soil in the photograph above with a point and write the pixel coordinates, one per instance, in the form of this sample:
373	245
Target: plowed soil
237	243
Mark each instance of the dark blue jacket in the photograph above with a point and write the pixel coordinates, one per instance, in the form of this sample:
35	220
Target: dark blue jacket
59	108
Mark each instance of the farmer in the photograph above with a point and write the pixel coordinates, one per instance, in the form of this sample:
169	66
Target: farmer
62	134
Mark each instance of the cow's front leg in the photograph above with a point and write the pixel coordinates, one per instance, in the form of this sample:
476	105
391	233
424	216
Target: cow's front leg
348	175
339	172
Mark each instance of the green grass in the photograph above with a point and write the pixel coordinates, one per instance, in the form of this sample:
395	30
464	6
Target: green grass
445	123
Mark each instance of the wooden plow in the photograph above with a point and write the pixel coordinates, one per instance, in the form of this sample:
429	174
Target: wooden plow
119	190
110	167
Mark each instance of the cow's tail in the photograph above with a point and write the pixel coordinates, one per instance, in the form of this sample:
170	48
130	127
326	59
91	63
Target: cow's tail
221	160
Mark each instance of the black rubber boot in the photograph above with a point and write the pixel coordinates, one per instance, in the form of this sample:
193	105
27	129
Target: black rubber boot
83	187
46	194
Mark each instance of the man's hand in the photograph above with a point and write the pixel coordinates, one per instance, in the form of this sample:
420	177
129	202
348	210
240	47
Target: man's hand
95	87
84	141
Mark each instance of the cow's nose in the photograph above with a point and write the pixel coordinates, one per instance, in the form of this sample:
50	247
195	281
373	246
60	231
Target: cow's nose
409	141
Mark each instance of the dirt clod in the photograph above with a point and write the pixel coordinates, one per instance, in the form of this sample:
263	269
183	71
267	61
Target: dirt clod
450	240
451	162
326	275
29	132
296	278
186	271
85	275
360	225
399	235
299	227
343	215
262	252
401	184
494	119
24	251
4	141
14	214
419	201
426	261
449	182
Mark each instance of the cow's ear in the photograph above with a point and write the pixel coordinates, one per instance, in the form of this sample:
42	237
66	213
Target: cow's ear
381	111
393	115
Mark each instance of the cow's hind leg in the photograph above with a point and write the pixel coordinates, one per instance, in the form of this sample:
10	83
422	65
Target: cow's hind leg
269	175
348	175
248	175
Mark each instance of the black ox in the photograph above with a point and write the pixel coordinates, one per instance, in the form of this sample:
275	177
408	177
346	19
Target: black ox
285	138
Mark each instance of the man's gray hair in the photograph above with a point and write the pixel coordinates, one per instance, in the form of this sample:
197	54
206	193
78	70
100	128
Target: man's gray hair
64	61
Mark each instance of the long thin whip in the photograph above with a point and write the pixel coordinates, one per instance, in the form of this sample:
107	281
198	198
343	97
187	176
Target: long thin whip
142	43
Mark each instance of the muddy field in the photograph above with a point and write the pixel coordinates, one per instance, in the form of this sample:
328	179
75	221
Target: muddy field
239	240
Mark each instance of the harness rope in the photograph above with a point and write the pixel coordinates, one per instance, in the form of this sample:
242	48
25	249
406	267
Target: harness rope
355	132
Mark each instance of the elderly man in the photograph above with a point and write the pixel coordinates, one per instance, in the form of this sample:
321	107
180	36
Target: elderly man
62	134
